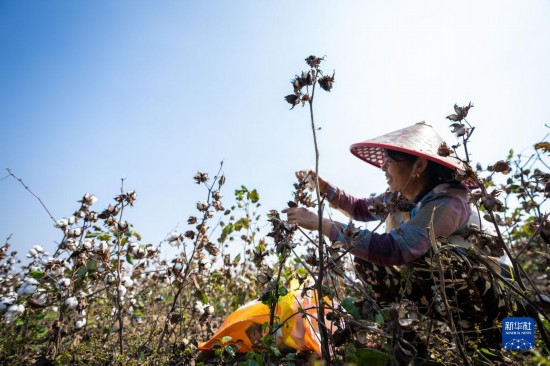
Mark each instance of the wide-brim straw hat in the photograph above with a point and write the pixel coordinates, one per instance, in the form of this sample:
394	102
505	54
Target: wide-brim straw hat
419	139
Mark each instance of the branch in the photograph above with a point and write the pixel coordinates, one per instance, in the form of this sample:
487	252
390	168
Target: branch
31	192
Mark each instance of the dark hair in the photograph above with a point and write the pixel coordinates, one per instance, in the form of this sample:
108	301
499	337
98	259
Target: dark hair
435	172
400	156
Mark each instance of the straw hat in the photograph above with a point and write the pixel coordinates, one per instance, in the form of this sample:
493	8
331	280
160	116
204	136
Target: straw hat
419	139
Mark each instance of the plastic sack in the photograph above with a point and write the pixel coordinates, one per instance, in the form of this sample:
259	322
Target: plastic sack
299	331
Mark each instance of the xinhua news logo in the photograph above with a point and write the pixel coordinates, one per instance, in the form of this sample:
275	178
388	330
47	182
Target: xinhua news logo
518	333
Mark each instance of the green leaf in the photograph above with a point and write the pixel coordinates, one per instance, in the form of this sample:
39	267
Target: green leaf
39	315
203	298
129	259
136	235
92	265
282	291
289	357
487	352
81	272
253	196
227	230
243	223
239	193
37	275
348	304
104	237
237	259
369	356
226	339
276	351
230	350
510	154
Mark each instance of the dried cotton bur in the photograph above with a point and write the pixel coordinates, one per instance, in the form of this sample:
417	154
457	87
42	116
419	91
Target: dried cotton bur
309	79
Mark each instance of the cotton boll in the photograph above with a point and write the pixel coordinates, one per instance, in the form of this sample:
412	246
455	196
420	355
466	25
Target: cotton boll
122	290
127	281
31	281
202	205
64	282
5	303
206	265
109	278
199	307
89	199
38	248
209	309
132	247
29	289
71	302
101	246
21	289
15	309
174	238
33	268
87	244
61	223
80	323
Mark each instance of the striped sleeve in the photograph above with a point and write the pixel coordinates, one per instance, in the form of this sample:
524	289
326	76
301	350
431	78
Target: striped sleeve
409	241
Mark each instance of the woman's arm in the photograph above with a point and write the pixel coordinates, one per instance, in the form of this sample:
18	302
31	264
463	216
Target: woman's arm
356	208
410	241
404	244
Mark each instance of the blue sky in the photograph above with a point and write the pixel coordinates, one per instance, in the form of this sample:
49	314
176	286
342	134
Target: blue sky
92	92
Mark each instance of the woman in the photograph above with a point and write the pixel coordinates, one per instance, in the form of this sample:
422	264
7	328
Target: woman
417	173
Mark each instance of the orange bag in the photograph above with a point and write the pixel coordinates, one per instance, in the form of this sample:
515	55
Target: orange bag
299	331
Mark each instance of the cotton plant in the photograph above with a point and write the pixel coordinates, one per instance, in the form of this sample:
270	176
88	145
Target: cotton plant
101	274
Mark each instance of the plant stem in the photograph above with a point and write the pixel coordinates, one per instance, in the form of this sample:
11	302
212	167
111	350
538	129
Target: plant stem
119	282
188	267
31	192
319	284
450	320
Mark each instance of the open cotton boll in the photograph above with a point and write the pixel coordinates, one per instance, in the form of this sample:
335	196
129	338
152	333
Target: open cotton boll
127	281
29	289
80	323
87	243
15	309
64	282
121	291
61	223
71	302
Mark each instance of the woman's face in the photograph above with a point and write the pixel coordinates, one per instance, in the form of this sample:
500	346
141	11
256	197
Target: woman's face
398	173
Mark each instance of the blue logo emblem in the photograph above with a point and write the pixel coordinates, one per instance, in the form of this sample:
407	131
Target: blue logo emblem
518	333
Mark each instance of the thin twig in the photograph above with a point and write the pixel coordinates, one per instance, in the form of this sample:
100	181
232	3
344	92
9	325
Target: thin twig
31	192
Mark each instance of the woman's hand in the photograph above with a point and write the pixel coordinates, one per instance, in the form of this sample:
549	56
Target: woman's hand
309	176
302	217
